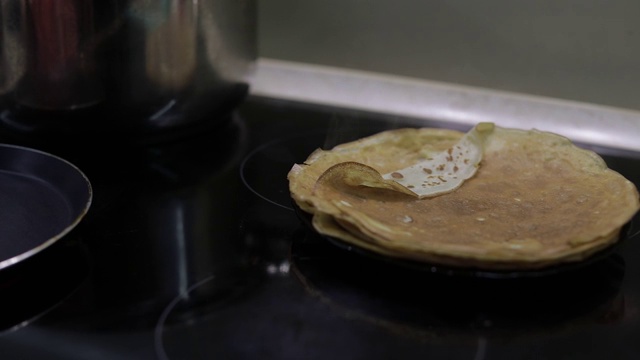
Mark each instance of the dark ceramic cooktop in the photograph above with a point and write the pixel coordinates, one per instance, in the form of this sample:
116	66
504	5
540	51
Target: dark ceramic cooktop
192	250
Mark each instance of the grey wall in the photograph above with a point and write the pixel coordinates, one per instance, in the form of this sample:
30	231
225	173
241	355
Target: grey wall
585	50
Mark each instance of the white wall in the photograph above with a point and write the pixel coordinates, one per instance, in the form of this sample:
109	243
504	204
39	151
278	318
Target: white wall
585	50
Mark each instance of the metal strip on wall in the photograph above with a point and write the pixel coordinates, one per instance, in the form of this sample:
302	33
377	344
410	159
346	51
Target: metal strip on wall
581	122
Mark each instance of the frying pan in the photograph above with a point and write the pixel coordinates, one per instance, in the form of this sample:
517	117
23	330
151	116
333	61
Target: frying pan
42	198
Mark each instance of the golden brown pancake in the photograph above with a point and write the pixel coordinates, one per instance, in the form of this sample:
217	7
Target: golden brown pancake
536	200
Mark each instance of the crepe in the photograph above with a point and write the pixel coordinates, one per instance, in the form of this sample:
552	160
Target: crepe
536	200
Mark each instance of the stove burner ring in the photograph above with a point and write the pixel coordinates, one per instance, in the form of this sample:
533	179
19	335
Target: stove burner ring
190	308
264	170
246	180
158	343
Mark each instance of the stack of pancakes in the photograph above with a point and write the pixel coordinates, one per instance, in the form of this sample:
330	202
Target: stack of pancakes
535	200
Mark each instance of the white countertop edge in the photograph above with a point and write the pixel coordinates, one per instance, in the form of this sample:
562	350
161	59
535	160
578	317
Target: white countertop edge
352	89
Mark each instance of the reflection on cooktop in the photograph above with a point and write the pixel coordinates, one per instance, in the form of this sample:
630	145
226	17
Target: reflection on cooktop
175	219
214	310
423	304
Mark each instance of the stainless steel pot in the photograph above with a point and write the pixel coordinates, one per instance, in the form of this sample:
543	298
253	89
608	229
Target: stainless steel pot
136	66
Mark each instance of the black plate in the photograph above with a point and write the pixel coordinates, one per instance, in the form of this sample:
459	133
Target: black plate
625	232
42	198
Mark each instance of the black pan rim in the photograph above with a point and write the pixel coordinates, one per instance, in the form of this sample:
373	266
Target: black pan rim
52	240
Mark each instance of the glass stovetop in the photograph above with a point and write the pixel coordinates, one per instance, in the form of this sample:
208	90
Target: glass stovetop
192	250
